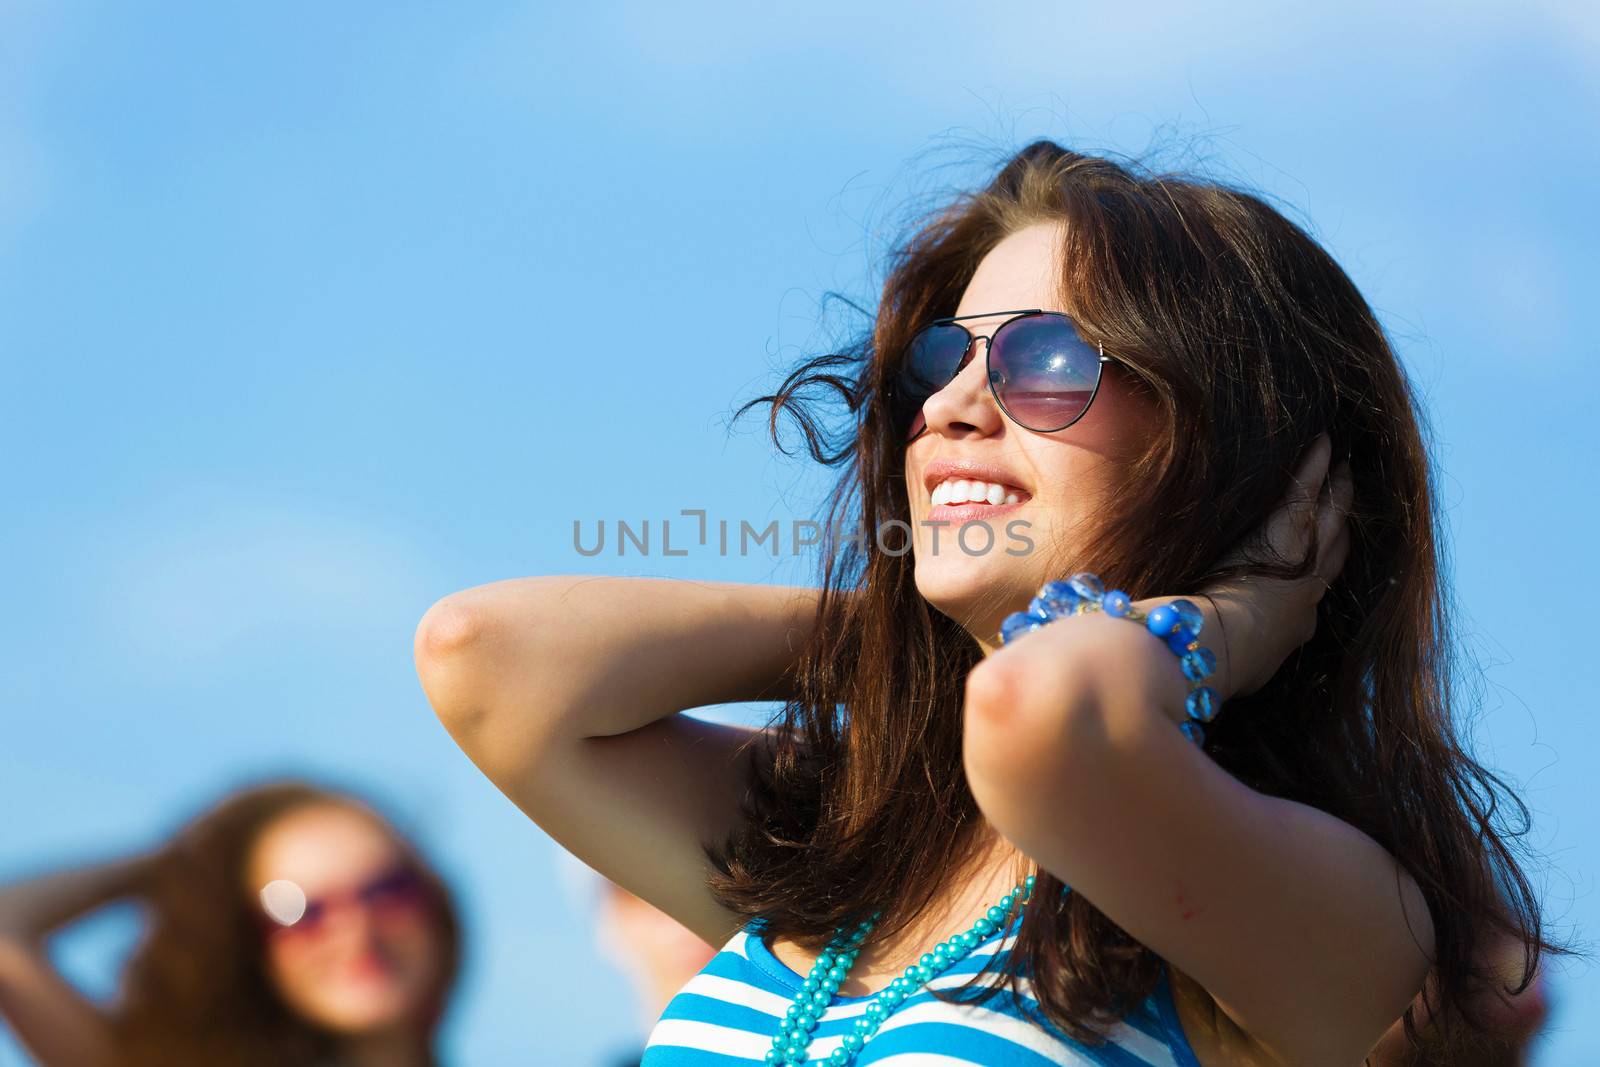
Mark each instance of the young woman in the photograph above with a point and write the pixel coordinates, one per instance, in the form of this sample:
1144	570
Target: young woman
1155	379
288	925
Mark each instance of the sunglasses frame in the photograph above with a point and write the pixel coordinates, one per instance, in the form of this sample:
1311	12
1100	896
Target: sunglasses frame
357	896
988	370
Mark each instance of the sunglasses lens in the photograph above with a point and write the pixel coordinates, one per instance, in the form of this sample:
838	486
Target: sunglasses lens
1044	373
932	360
400	887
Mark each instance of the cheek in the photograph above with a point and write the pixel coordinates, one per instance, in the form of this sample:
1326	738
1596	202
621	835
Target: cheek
414	943
1124	420
292	965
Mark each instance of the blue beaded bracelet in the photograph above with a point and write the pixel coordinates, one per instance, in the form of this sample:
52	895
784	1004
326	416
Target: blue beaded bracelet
1176	623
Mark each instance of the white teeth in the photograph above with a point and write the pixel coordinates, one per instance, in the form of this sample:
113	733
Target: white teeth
962	491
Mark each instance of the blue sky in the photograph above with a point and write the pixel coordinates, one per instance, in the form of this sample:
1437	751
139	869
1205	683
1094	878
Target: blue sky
310	314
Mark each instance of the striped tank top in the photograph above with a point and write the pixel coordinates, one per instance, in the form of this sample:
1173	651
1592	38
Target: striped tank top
727	1014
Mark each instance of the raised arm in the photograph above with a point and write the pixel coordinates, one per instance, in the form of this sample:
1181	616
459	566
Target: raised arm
564	690
1305	931
56	1023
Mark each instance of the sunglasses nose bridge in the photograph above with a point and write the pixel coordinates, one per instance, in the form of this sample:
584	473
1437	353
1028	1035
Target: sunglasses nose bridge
968	353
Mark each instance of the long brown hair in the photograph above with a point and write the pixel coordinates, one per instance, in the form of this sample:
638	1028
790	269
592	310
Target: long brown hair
1252	341
197	991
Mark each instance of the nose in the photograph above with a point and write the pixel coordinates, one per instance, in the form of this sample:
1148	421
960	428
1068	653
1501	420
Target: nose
966	404
351	922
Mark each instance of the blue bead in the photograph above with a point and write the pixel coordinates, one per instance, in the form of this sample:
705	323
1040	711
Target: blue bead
1030	880
772	1058
983	927
1198	664
1116	603
1189	614
1040	608
1193	731
820	998
836	973
1087	585
1060	597
928	959
1202	704
941	952
969	940
793	1011
1180	639
875	1010
810	985
1007	902
1161	620
1019	623
808	1023
996	915
924	975
853	1042
840	1057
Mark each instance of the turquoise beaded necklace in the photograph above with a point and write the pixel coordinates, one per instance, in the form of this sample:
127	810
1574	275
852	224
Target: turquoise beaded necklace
834	962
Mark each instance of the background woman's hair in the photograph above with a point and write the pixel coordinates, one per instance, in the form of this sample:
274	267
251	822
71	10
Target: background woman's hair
1252	341
197	991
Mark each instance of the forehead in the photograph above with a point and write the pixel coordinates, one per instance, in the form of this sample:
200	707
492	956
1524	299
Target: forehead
1022	271
321	847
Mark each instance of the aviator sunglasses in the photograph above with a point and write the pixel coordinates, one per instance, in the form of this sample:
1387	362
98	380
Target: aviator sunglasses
1043	374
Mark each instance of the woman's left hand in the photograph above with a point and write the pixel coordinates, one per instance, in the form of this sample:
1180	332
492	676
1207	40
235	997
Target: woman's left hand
1253	623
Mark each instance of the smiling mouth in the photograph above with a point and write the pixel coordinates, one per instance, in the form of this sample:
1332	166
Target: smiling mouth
961	499
970	511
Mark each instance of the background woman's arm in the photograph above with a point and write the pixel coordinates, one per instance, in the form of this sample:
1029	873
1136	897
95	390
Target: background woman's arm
55	1022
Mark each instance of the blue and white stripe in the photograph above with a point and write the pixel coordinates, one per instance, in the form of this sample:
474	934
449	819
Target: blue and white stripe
725	1016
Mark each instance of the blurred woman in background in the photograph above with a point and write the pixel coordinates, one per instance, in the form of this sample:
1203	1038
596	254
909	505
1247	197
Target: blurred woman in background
655	953
287	925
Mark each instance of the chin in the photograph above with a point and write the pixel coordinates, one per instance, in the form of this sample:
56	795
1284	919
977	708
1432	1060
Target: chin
354	1020
353	1012
972	590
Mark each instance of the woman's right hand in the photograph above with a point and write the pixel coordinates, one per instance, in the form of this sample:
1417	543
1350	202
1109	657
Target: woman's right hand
1254	623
